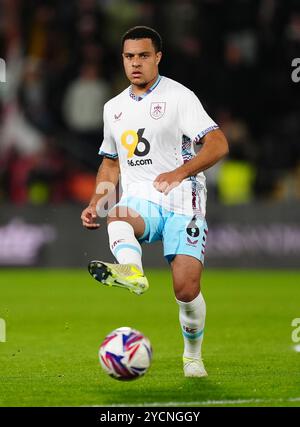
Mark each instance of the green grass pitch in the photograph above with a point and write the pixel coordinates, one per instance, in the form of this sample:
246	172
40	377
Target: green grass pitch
56	320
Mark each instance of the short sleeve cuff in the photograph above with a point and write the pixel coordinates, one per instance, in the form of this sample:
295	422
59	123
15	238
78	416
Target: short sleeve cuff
204	132
108	155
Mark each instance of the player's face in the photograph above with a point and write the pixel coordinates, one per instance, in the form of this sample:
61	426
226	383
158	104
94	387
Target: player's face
141	62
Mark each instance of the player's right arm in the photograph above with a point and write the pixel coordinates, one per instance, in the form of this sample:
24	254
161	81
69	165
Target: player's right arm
107	177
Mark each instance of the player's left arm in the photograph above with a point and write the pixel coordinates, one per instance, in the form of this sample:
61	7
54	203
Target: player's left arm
215	147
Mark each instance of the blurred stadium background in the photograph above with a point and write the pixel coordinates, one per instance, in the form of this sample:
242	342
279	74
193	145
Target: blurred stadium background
63	63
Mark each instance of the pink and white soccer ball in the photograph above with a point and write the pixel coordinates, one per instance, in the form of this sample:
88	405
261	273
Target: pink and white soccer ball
125	354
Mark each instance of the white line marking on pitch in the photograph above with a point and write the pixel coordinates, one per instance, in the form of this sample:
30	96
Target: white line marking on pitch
207	402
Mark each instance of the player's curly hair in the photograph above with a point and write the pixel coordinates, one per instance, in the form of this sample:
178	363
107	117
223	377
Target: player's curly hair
143	32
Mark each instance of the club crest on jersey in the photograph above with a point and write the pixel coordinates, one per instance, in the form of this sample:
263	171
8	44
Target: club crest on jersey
157	110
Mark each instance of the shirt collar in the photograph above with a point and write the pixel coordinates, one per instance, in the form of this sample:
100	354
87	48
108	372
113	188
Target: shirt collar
140	97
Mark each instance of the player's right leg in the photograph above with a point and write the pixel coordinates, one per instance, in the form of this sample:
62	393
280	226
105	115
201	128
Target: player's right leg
125	227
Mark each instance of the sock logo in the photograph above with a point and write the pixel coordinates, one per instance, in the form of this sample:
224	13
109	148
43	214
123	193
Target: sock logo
190	330
192	333
115	243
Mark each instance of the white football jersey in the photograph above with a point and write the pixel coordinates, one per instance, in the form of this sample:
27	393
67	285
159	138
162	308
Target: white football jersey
153	134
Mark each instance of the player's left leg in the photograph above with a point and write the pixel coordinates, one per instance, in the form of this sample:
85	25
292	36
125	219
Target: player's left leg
186	272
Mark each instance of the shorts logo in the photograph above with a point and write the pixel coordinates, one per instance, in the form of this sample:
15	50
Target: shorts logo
157	110
192	229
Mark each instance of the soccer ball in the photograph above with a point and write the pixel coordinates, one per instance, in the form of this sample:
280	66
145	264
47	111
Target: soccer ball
125	354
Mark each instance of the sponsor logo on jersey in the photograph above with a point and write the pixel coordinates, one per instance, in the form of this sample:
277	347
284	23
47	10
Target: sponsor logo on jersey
136	145
141	162
157	110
